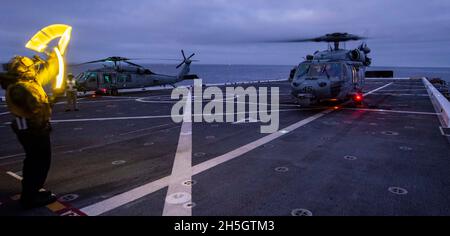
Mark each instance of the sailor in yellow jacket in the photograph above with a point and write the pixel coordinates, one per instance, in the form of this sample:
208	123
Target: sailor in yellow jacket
29	103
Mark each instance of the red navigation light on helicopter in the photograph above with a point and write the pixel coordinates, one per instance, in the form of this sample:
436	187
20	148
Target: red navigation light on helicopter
358	97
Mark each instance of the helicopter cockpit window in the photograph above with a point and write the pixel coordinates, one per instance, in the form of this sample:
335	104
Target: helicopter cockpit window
80	77
90	77
302	69
330	70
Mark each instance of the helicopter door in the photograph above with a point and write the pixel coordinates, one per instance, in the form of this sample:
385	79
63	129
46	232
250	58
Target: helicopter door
109	80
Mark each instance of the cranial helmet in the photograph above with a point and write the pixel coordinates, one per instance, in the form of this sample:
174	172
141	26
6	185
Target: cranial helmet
23	67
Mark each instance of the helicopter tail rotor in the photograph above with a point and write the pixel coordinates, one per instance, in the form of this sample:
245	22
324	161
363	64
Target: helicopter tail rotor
187	60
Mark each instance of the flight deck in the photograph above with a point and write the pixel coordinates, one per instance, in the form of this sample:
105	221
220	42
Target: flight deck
124	155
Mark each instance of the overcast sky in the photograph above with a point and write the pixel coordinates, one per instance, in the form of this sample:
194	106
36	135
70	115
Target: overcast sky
402	32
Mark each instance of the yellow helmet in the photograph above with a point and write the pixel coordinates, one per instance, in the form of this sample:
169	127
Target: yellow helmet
22	66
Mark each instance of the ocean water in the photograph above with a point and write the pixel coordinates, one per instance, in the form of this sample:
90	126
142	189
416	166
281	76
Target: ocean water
212	74
235	73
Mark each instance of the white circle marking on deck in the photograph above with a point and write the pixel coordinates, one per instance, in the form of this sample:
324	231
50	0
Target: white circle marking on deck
178	198
405	148
189	205
199	154
350	158
391	133
282	169
189	182
301	212
398	190
68	197
118	162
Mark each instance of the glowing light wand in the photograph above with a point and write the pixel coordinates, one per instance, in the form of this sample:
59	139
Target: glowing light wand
39	42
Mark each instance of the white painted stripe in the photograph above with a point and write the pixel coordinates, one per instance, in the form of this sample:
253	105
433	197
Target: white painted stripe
126	197
400	94
378	89
15	155
139	192
164	116
140	130
144	190
392	111
182	168
4	113
253	145
14	175
111	118
401	90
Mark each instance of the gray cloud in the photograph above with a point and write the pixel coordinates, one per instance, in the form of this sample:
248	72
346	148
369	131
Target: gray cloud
402	33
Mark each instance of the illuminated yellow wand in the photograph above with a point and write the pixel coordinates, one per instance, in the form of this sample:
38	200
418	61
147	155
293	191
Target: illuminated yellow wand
39	42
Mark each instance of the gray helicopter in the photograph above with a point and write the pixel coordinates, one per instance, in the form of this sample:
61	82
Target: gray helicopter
109	79
331	75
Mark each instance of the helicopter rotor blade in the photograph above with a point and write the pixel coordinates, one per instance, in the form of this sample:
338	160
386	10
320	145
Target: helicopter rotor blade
193	54
133	64
91	62
182	52
179	65
334	37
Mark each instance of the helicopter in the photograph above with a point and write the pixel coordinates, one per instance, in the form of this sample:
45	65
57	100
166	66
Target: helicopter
334	74
109	79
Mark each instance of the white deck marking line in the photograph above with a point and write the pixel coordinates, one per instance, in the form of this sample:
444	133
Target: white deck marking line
401	94
9	156
255	144
111	118
182	169
14	175
161	116
112	100
125	198
378	89
144	129
400	90
146	189
392	111
99	101
4	113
